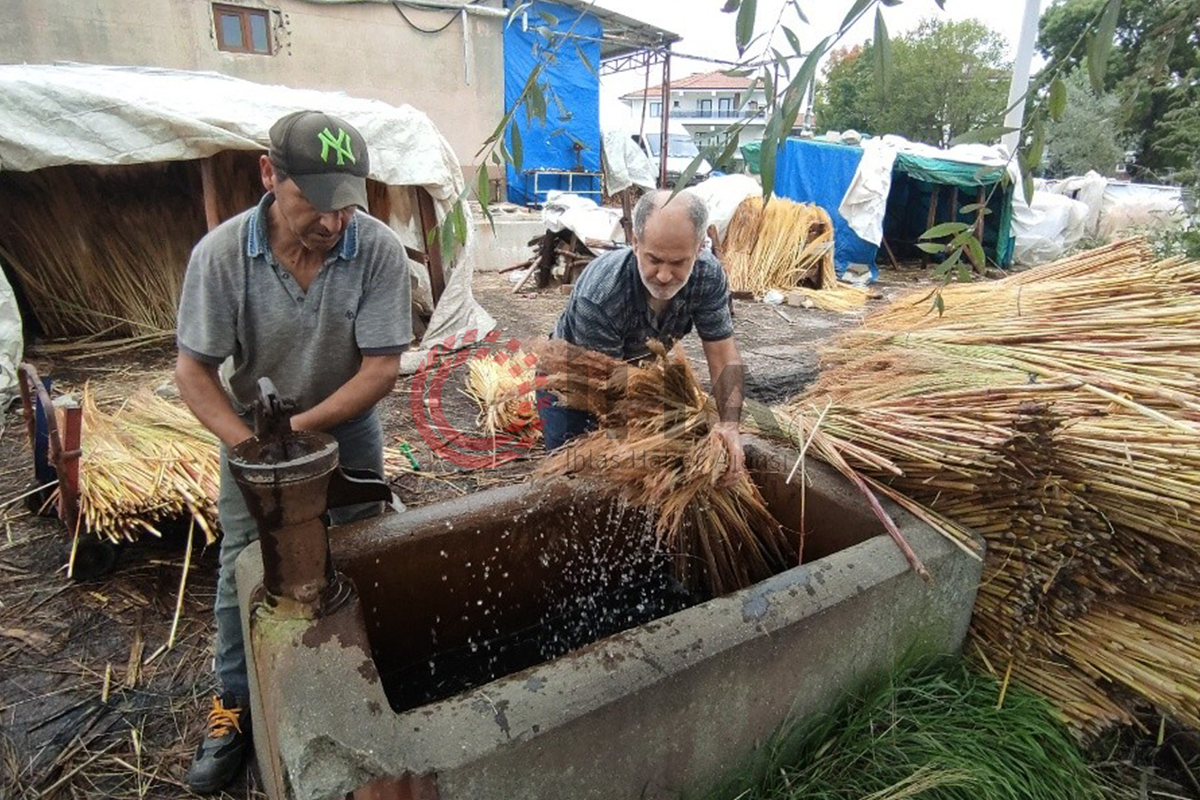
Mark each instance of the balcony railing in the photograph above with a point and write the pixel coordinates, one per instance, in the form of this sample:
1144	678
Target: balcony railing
719	113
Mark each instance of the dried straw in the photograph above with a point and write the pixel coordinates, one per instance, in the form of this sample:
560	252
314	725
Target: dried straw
655	448
1054	413
147	462
501	384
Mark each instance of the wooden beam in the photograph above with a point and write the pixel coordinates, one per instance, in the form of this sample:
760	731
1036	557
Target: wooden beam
932	218
208	187
433	244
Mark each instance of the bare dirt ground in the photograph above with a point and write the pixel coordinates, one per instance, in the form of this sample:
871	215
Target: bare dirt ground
62	642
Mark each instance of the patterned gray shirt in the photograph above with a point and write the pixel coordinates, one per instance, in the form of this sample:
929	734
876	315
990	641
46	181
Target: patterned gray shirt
608	310
239	302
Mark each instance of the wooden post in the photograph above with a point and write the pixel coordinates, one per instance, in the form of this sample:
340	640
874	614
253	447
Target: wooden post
208	187
68	478
433	245
665	137
979	225
932	218
627	215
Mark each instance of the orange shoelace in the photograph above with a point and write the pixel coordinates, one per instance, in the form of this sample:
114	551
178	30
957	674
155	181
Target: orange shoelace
222	720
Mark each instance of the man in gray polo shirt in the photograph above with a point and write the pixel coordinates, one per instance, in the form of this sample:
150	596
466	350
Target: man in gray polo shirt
306	290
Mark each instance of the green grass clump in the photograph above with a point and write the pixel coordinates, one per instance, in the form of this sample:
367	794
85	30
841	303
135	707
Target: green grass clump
932	733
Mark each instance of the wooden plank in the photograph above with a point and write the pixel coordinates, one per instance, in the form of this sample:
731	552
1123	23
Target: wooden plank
208	187
433	244
930	219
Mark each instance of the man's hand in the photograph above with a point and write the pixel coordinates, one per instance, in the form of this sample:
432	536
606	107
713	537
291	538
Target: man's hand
731	437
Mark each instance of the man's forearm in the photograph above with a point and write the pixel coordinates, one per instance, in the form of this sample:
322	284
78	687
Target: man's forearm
200	388
373	381
727	372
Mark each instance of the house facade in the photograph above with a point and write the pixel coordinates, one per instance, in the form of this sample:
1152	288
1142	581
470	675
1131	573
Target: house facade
706	104
447	62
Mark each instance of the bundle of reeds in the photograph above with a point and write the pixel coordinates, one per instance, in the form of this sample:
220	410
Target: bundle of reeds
655	448
1056	414
777	245
146	462
787	246
501	384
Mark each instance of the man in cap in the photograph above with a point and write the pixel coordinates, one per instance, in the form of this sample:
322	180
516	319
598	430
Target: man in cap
660	288
307	290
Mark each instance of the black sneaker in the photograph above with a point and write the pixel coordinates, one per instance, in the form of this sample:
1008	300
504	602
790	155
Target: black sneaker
220	755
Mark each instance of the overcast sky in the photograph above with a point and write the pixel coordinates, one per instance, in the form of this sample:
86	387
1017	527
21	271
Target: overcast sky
706	31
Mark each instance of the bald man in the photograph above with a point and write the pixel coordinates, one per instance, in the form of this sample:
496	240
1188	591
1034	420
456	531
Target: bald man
660	288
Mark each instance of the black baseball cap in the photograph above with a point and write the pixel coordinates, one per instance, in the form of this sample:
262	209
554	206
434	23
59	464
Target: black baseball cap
326	157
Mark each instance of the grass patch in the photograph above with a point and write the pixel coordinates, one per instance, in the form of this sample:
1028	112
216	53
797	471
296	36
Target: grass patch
932	732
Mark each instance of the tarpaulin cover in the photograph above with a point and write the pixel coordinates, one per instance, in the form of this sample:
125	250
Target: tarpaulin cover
71	114
572	101
947	173
820	173
752	155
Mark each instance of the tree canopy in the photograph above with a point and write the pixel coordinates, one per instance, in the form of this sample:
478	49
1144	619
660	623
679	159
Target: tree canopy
946	78
1086	137
1153	69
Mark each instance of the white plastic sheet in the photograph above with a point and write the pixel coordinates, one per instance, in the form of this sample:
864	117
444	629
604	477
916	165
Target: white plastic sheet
52	115
625	164
580	215
723	194
12	342
1048	229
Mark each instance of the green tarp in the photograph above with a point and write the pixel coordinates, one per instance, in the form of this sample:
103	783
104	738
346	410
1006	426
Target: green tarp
947	173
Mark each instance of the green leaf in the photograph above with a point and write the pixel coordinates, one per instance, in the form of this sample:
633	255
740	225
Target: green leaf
793	39
587	62
745	24
974	208
985	134
515	12
740	72
517	150
770	149
977	253
1031	159
686	176
931	248
768	80
891	3
731	147
731	6
883	55
855	12
1058	98
782	61
945	229
483	187
799	13
551	20
808	69
1101	43
938	302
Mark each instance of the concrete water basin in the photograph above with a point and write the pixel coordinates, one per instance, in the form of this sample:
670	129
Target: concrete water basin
528	642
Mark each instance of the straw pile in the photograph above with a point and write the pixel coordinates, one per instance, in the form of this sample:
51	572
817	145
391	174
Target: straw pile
655	449
1055	413
785	245
100	252
147	462
501	384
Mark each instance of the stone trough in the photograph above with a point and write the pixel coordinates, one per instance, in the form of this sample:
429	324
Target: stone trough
526	642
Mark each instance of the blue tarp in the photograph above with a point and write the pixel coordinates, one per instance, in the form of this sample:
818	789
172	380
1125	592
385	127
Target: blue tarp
572	101
820	173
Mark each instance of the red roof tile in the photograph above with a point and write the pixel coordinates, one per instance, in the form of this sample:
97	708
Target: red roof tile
701	81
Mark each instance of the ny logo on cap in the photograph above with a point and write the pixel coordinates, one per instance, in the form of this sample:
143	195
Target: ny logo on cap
341	146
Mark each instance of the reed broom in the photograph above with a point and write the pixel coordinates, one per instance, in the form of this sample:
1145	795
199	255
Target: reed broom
655	449
1054	414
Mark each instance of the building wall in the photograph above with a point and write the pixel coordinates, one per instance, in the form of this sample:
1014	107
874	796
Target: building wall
706	130
364	49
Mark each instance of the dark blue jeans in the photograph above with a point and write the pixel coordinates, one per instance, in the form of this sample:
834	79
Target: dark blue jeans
560	423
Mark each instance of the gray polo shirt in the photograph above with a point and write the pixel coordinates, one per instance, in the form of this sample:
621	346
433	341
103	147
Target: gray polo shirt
238	301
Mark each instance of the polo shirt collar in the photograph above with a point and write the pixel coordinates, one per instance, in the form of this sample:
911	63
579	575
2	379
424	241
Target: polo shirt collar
258	241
